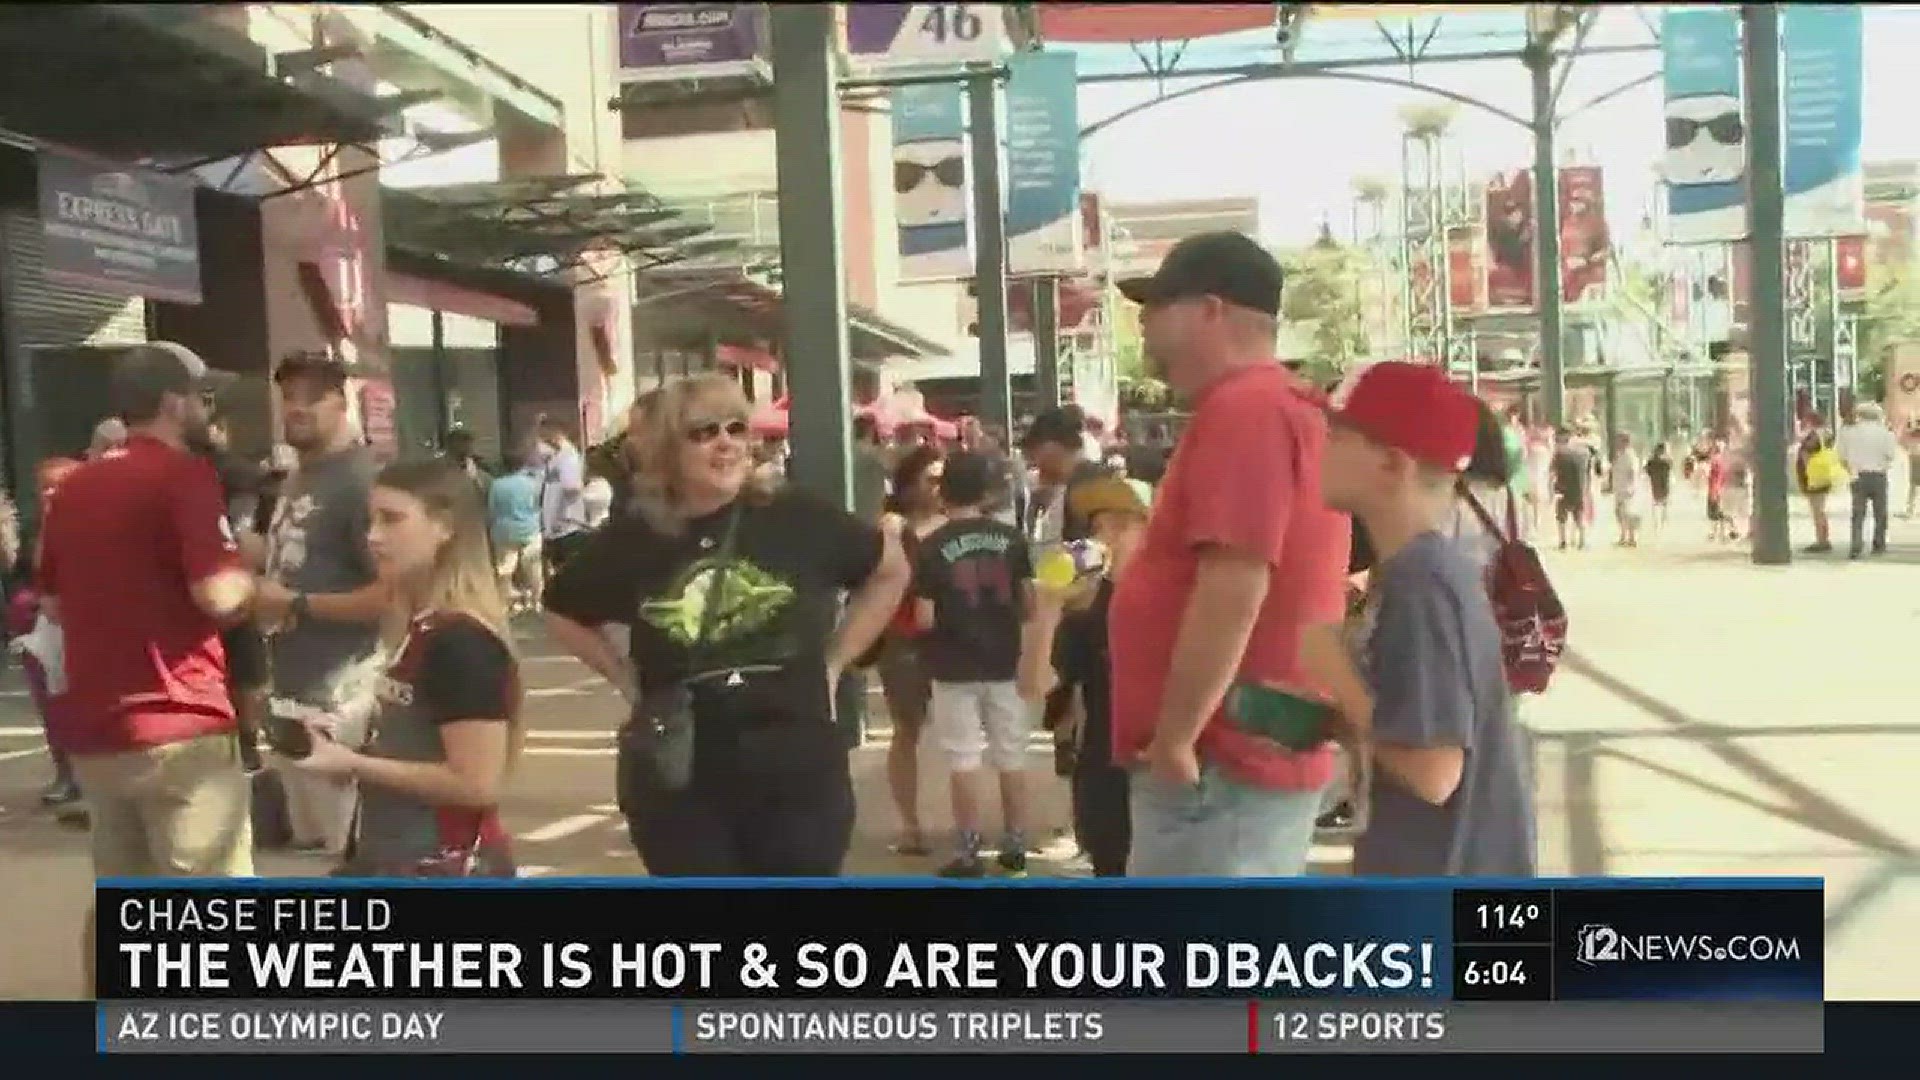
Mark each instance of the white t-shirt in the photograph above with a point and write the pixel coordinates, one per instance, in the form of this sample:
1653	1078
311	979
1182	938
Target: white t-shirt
597	500
563	508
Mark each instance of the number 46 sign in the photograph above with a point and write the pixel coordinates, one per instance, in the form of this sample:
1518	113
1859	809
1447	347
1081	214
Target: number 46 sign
925	35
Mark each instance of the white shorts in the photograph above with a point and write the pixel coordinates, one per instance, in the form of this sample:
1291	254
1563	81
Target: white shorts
983	721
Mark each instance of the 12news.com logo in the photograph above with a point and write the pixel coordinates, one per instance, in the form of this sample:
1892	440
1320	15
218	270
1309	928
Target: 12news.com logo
1598	943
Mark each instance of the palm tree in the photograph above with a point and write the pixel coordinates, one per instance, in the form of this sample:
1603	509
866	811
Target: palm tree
1371	190
1429	120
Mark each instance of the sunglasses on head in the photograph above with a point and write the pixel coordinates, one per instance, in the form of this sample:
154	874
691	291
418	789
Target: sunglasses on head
702	434
1727	129
907	175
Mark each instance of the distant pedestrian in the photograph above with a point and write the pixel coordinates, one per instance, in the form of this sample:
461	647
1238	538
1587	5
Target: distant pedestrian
1714	468
915	512
1868	450
1624	476
1573	470
513	515
1659	485
1818	471
563	512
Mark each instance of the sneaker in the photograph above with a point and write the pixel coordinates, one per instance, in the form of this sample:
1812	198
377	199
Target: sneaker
1013	862
60	793
1340	817
1818	549
966	866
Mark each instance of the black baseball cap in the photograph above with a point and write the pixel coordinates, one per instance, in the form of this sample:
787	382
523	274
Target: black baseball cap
143	374
1061	425
322	367
1229	265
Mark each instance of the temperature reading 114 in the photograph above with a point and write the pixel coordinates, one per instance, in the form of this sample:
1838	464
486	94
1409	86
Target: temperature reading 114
1511	917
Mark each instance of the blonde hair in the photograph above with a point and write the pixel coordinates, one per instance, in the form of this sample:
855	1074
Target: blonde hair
664	416
463	580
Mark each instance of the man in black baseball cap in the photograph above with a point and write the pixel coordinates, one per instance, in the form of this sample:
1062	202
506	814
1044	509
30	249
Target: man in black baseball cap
1209	285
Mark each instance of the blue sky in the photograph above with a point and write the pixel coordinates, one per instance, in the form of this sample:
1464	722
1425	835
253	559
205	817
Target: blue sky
1299	143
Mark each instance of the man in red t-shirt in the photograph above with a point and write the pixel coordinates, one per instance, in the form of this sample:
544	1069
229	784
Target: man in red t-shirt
139	566
1240	556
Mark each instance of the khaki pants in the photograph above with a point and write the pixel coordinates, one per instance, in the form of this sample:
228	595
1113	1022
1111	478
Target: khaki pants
180	810
521	568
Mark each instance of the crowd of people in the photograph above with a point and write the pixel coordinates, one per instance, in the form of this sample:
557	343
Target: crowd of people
1299	555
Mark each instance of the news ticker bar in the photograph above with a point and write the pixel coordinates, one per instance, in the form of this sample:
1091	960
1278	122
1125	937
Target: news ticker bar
539	942
961	1026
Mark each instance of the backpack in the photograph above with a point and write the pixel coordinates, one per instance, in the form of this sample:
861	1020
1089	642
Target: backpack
1531	618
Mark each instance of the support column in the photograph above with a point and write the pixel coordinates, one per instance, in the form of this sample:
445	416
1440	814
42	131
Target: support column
806	112
1546	244
990	253
1767	350
1046	339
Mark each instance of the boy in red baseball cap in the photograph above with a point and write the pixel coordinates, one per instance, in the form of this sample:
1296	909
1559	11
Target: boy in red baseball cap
1451	795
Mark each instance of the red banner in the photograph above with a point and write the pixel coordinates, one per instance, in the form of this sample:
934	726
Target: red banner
1510	242
1585	247
1850	268
376	418
1466	271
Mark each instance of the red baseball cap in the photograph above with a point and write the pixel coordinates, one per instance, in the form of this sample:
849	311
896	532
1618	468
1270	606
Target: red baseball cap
1414	408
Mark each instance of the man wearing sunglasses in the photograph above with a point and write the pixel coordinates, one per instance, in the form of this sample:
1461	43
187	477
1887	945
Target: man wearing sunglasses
1240	557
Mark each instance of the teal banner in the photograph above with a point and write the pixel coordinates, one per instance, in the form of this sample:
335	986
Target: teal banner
1043	164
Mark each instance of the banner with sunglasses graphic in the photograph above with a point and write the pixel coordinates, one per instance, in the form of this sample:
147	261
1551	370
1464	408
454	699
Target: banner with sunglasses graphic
1822	64
1706	157
1043	164
930	186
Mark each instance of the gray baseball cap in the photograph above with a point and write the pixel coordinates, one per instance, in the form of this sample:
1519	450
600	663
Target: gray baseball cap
144	374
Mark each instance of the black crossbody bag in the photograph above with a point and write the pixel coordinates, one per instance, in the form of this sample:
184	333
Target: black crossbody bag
656	745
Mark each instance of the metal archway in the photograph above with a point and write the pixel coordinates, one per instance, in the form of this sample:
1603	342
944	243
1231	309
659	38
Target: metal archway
1355	76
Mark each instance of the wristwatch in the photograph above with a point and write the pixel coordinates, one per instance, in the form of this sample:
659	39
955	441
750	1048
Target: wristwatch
301	606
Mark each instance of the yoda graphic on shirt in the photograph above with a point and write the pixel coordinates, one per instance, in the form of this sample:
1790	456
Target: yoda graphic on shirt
745	599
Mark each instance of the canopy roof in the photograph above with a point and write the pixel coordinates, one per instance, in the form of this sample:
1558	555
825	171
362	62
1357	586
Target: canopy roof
541	224
755	294
141	79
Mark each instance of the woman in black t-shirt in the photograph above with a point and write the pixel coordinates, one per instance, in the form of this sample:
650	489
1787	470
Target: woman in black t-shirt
769	793
914	504
443	724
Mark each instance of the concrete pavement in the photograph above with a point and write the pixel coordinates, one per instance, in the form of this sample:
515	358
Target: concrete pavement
1715	718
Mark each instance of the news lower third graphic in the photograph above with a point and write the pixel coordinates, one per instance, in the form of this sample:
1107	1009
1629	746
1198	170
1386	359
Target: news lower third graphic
692	967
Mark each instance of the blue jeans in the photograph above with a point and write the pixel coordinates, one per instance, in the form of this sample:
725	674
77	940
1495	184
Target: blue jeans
1220	827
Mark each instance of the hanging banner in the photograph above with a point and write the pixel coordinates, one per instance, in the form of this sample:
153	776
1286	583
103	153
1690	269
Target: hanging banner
1509	212
1585	246
894	36
1822	62
118	230
931	194
659	42
1466	271
1705	165
1043	164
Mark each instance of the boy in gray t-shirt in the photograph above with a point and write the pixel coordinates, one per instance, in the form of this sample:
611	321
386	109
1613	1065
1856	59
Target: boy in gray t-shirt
1451	794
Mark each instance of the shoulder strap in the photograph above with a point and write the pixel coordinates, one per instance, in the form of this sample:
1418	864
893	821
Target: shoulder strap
714	594
1505	536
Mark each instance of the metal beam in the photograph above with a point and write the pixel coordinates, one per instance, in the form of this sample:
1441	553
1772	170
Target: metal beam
1546	240
1583	26
1354	76
1602	99
1767	348
1283	70
990	253
1046	338
806	112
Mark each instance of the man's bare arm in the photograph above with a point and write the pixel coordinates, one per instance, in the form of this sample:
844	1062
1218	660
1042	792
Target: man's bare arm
1228	589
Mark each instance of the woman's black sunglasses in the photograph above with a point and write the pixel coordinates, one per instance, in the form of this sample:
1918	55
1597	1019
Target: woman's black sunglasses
702	434
908	175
